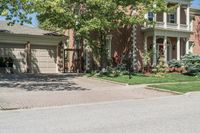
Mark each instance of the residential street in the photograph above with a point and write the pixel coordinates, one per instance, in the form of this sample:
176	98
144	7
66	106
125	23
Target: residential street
169	114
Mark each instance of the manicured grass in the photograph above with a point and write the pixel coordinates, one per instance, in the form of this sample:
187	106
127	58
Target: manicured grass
142	79
180	87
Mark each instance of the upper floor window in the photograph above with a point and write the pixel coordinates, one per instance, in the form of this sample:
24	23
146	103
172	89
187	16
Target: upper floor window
171	18
150	16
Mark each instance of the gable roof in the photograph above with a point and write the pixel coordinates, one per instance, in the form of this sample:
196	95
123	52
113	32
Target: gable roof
21	29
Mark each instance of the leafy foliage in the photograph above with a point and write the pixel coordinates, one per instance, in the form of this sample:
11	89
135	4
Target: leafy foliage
161	67
175	63
16	10
192	64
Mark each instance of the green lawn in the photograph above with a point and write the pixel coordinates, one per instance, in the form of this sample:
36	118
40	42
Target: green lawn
142	79
180	87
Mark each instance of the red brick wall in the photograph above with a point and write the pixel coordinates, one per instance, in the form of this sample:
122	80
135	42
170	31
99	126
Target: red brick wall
139	47
122	41
195	37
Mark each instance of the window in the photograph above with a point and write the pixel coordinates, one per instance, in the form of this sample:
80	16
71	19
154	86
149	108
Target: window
172	18
150	16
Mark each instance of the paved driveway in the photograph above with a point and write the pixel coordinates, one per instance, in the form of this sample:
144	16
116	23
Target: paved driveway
28	91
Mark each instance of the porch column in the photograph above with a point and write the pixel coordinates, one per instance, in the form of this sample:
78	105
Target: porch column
188	17
154	51
165	19
178	16
165	48
187	46
178	49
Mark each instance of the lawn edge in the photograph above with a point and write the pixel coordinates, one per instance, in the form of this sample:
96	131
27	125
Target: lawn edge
109	81
163	90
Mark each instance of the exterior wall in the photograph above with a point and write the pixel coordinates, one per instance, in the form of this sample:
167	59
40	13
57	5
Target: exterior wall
121	43
139	47
195	37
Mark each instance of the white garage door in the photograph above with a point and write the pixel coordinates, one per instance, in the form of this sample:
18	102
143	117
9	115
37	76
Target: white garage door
43	59
17	53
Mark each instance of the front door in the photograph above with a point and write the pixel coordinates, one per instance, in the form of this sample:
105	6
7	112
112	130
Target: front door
160	50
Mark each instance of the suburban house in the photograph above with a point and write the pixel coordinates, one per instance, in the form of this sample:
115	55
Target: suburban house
174	35
33	50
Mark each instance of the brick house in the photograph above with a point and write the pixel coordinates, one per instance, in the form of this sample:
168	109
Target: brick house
174	35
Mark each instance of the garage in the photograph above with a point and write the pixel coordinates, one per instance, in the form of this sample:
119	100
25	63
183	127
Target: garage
33	50
43	59
17	53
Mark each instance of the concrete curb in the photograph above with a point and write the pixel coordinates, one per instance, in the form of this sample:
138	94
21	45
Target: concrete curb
163	90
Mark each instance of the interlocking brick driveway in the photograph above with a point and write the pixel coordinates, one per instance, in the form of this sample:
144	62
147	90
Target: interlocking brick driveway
28	91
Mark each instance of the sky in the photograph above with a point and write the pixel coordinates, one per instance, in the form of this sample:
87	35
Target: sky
195	4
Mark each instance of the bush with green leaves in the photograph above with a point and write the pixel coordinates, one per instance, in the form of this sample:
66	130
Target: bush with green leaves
192	64
175	64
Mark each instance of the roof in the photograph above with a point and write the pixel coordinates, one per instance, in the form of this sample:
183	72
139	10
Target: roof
195	11
21	29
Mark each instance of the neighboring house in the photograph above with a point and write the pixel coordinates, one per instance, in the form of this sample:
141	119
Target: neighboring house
33	50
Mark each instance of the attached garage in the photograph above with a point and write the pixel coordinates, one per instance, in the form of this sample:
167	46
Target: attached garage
33	50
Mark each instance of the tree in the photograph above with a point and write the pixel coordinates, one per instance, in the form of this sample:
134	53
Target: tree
16	11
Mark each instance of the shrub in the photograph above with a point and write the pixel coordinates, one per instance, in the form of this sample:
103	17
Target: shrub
160	68
192	64
175	64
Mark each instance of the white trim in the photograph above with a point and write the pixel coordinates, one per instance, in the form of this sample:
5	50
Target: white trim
178	49
36	40
187	46
165	48
165	19
178	17
188	17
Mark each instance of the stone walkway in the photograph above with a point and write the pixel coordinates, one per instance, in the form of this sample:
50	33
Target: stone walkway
30	91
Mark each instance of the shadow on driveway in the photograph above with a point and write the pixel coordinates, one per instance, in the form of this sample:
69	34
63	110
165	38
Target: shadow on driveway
41	82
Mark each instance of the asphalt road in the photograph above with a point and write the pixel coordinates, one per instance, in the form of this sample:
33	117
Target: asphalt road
171	114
